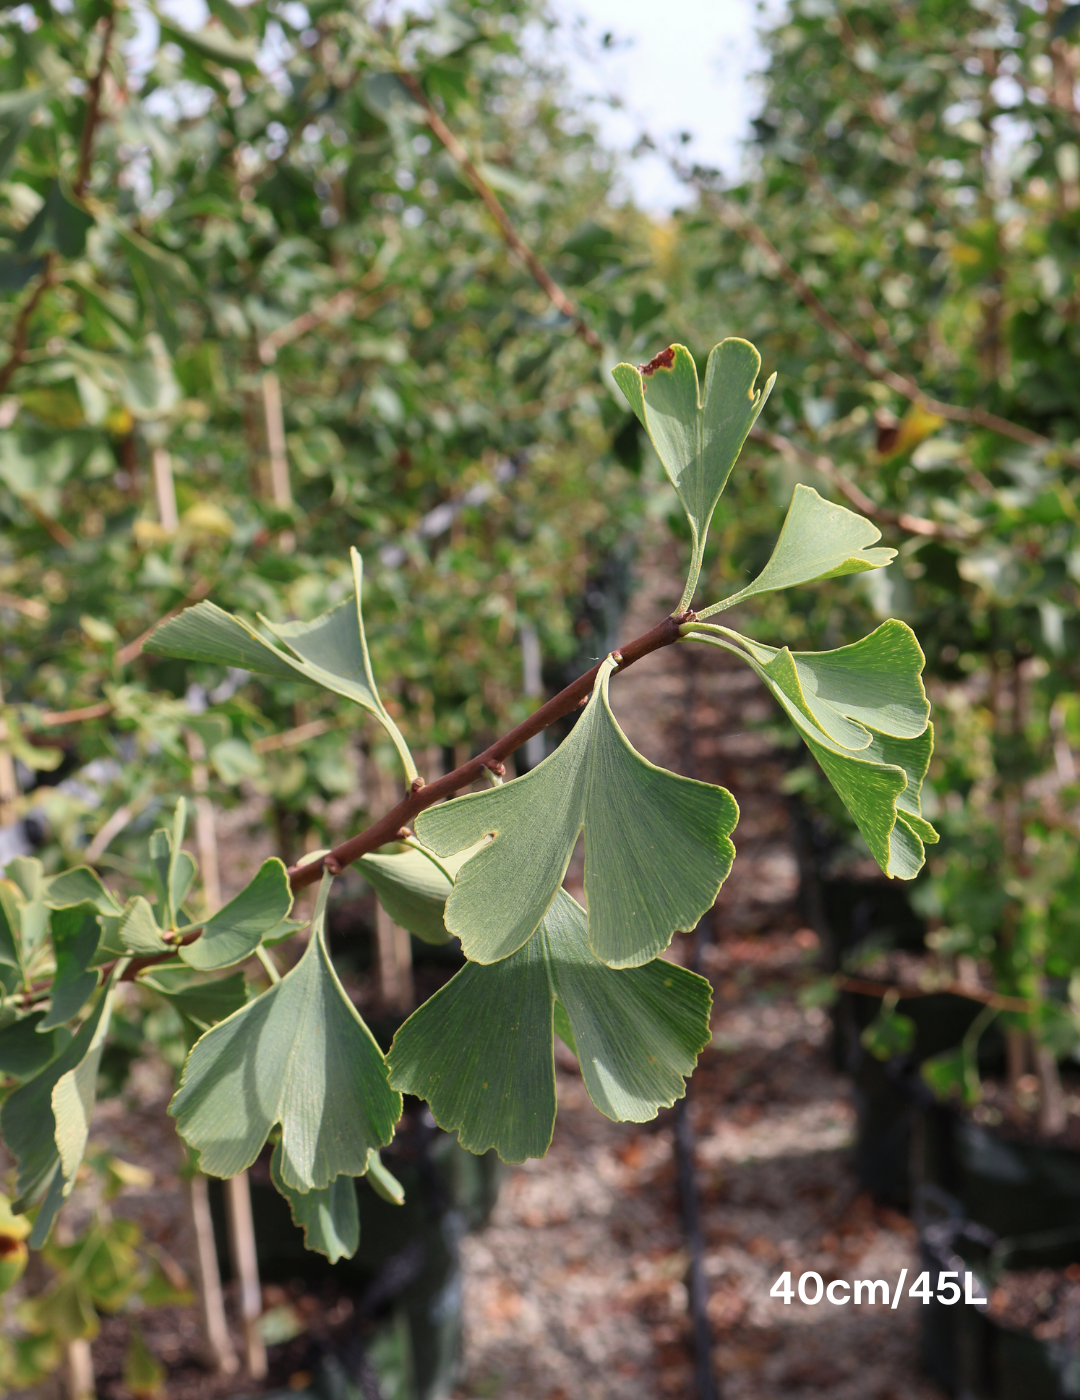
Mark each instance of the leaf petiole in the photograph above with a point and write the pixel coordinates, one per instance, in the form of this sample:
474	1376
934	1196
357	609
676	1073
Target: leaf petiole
268	963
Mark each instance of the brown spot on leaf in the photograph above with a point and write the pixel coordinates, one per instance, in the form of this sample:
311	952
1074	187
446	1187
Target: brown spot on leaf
664	360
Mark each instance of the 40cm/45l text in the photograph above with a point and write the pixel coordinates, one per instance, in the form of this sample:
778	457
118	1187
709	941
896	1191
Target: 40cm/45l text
812	1289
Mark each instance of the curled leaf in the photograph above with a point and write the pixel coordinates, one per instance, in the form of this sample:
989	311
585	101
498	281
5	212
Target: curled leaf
697	436
818	540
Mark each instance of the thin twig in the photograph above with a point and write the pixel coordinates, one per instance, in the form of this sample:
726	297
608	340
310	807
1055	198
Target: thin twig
426	795
93	110
22	324
48	272
999	1000
337	305
291	737
52	718
911	524
29	607
902	384
540	274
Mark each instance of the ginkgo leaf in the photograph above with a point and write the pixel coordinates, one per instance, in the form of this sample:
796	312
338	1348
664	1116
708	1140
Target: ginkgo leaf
697	437
173	867
75	936
10	960
881	786
818	540
23	1051
80	886
383	1181
138	932
413	886
873	684
34	1121
24	915
330	1218
200	1002
330	652
880	780
235	931
657	846
299	1056
481	1050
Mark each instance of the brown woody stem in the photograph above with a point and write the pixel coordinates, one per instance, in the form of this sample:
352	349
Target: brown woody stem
388	828
538	271
999	1000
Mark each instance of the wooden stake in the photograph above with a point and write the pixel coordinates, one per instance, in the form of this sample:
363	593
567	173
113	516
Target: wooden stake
9	787
218	1352
165	490
280	486
1053	1115
80	1370
245	1263
242	1252
533	688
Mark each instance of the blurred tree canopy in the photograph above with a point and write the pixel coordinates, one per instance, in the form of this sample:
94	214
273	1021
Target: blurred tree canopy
254	314
904	252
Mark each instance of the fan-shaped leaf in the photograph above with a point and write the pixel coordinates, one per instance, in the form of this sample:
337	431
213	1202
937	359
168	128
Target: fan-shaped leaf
298	1056
40	1125
874	684
880	777
657	846
413	886
331	651
139	933
329	1218
235	931
697	438
200	1002
818	540
80	886
75	937
23	1051
481	1051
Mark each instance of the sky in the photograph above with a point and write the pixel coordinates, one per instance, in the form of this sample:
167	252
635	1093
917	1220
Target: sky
672	65
676	65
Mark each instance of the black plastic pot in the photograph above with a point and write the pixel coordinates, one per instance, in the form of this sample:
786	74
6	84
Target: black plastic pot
1011	1187
969	1353
404	1335
890	1096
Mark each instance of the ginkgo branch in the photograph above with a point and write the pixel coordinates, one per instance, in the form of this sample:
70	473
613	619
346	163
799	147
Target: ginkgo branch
901	384
21	333
826	467
540	274
424	795
1000	1001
